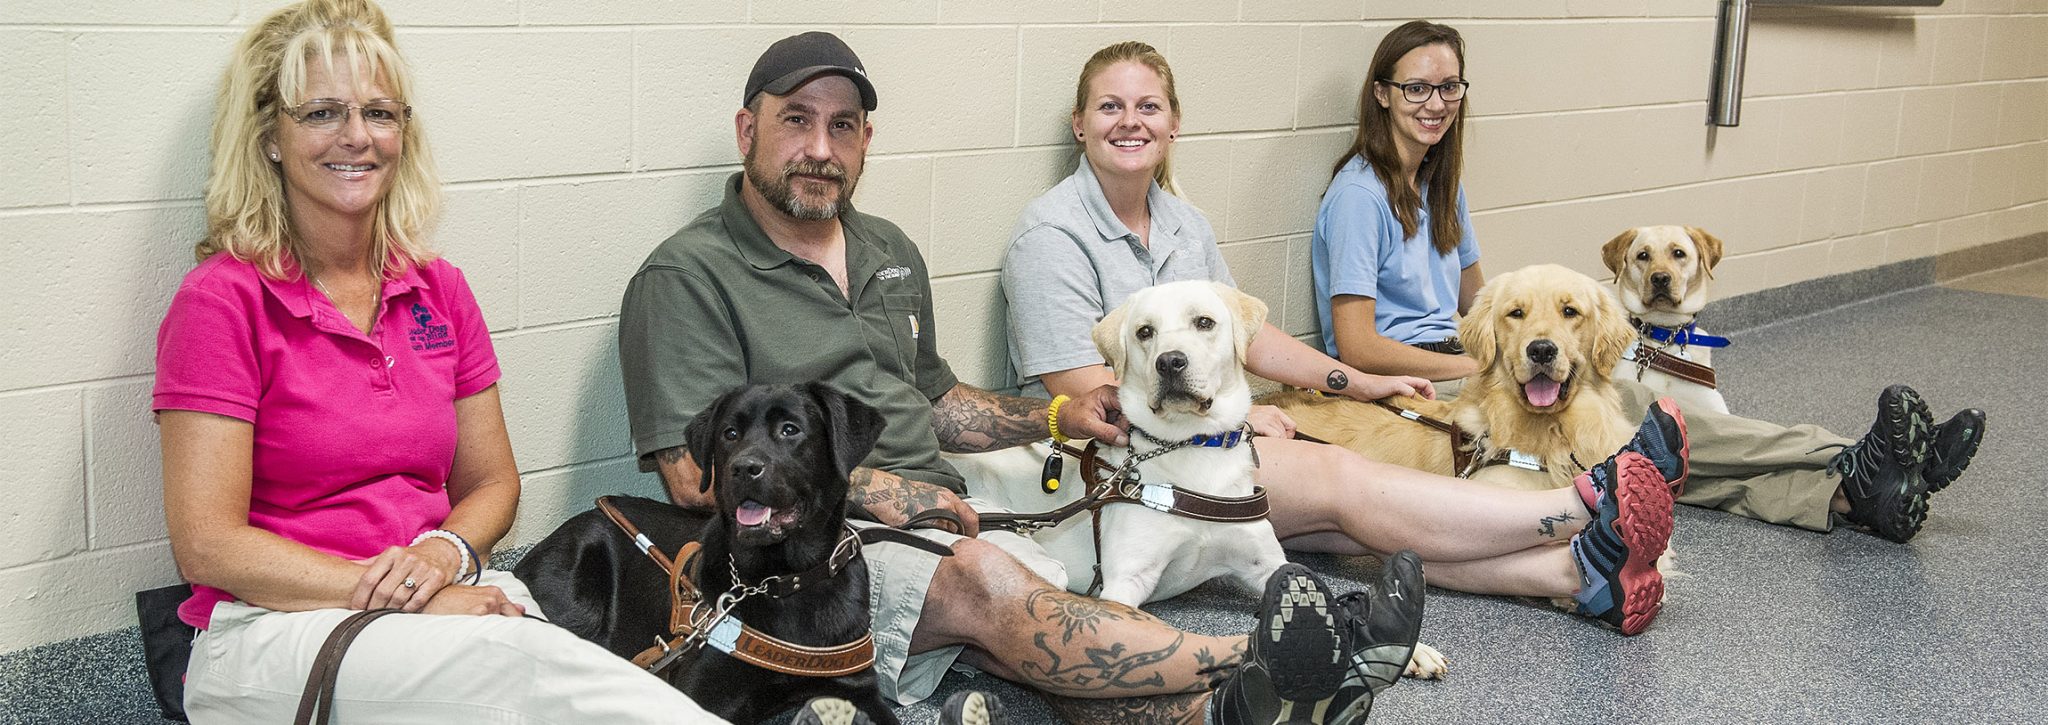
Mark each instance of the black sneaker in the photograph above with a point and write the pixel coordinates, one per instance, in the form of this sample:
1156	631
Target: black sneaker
1295	659
1381	625
1955	443
830	711
1881	472
972	707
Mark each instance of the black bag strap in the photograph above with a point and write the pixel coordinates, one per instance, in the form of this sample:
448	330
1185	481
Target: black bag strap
318	697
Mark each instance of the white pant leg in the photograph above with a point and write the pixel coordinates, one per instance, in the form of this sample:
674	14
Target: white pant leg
251	666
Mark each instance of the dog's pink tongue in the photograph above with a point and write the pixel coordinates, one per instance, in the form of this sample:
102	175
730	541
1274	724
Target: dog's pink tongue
1542	391
751	513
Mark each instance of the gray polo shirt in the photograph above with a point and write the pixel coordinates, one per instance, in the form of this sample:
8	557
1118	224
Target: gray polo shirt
1071	261
718	305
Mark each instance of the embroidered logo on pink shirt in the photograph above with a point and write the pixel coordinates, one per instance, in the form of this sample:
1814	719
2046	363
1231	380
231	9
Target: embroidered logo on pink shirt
426	335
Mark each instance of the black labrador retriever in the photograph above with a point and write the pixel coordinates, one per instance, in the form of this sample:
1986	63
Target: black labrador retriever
778	458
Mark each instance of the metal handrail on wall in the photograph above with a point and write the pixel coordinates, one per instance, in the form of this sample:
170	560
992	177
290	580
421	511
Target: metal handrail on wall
1724	104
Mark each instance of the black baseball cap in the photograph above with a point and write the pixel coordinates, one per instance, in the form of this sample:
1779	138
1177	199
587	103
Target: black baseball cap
795	60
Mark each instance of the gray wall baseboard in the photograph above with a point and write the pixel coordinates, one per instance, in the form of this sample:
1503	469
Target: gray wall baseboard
1799	299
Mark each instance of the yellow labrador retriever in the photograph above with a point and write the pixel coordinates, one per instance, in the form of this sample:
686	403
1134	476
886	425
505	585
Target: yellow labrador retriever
1662	273
1539	411
1179	351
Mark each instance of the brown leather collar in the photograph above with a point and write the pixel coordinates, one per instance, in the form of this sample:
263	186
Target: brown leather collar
688	630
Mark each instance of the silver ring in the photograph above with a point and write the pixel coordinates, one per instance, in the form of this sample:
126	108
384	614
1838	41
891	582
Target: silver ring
410	584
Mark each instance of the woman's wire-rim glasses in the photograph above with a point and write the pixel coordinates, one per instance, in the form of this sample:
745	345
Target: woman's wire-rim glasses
329	114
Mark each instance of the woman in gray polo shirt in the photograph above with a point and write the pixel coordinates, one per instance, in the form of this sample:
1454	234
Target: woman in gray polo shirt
1116	226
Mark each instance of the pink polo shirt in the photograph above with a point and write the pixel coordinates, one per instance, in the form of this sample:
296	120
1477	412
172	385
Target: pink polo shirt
355	433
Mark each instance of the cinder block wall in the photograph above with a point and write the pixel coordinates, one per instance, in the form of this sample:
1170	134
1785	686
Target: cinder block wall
575	134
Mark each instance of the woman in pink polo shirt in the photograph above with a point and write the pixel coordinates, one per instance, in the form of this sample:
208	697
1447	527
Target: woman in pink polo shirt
328	403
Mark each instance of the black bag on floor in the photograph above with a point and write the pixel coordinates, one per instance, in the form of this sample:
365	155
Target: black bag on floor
166	645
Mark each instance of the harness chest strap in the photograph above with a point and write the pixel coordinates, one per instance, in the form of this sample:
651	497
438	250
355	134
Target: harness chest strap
1101	492
730	635
1674	366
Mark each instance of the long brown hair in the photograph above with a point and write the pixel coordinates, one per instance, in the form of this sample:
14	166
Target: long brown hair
1145	55
1441	165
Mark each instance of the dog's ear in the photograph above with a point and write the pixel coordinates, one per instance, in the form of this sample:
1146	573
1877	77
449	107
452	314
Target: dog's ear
1109	338
1612	332
1475	329
1249	313
701	438
855	426
1709	247
1614	253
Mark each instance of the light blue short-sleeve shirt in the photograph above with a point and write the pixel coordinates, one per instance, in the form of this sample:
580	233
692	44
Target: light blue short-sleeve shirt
1071	261
1357	249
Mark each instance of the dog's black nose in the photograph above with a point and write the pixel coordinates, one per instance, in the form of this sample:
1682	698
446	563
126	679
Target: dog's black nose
1172	363
1660	280
748	468
1542	351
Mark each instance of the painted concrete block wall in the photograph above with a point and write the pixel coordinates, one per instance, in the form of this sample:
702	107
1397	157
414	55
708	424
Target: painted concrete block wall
576	134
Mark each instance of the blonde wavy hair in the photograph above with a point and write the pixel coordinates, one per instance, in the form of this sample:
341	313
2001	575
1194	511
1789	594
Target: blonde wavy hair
1145	55
246	212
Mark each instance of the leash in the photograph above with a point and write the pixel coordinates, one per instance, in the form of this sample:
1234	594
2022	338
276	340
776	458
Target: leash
1124	484
1465	459
692	625
318	697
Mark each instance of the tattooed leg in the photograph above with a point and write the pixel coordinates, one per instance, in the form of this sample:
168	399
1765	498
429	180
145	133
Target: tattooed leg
1058	642
1188	709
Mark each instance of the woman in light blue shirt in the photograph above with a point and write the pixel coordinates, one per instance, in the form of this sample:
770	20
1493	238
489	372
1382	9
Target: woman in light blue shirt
1392	253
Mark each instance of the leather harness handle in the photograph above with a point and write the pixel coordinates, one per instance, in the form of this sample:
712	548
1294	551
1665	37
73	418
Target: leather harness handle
318	697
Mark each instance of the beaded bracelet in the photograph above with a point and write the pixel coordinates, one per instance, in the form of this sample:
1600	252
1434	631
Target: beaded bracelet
463	550
1052	418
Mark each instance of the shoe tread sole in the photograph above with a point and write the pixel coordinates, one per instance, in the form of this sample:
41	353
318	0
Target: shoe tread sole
1644	526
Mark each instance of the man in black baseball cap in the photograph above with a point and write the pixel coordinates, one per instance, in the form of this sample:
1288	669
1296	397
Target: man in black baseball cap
794	60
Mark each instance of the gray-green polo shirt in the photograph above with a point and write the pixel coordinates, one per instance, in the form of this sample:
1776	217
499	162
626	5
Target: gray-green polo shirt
718	305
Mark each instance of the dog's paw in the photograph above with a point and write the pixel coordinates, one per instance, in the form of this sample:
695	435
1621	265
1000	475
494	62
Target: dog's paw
1426	663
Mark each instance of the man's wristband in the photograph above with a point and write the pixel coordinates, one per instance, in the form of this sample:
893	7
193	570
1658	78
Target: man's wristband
1052	418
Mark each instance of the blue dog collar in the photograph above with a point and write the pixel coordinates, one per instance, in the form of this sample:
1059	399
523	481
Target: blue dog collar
1684	336
1220	440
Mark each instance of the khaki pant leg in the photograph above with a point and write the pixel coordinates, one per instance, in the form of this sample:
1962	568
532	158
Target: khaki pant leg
251	666
1758	469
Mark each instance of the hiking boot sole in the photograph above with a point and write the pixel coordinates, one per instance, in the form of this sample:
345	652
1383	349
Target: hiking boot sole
1951	470
1644	527
1905	425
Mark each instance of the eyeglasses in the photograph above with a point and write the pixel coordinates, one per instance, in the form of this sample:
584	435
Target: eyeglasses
327	114
1450	91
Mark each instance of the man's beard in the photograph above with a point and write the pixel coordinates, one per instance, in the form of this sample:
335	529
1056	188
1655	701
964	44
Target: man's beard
774	186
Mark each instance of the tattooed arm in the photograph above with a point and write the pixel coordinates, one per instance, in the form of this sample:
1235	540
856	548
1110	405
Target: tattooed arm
680	475
968	419
893	499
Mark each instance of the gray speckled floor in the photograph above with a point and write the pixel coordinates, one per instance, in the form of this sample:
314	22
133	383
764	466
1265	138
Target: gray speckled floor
1770	624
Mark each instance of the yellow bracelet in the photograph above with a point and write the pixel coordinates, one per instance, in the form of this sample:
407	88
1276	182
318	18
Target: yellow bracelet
1052	418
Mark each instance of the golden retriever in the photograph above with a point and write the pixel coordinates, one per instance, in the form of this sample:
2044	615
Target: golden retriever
1547	340
1662	273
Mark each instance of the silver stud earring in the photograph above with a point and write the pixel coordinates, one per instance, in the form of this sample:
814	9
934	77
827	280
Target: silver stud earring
273	156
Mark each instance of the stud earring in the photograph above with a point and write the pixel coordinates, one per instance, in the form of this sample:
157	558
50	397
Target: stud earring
273	156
